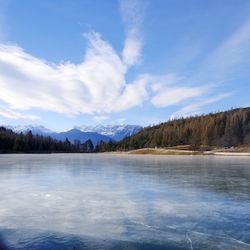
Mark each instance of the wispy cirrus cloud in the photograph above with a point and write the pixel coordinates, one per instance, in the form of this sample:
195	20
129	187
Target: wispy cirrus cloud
230	60
195	108
233	54
132	12
10	114
174	95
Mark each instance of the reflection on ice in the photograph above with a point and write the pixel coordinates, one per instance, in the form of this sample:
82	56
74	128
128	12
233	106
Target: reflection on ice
110	202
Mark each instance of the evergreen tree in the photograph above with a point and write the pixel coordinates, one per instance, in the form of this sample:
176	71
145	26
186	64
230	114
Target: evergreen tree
88	146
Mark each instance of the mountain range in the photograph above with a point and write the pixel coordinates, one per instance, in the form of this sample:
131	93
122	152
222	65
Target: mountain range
115	132
83	133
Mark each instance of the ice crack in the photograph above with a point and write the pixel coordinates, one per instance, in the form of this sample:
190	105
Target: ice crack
190	241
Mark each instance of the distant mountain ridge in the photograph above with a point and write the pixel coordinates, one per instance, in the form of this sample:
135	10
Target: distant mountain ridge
76	134
82	133
115	132
35	129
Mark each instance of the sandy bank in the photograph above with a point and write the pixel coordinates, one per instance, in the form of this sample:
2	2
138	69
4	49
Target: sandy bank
162	151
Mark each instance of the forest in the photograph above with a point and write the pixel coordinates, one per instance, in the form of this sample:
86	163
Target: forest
11	142
223	129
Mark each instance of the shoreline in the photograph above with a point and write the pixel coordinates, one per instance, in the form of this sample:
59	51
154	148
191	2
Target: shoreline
229	153
148	151
162	151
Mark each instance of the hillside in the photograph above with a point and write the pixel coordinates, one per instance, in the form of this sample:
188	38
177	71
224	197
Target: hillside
223	129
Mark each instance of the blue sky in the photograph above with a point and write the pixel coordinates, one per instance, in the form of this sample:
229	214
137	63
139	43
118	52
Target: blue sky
66	63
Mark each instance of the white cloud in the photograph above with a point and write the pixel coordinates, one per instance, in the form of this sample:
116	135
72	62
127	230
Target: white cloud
131	51
97	85
160	83
132	12
174	95
10	114
134	93
196	107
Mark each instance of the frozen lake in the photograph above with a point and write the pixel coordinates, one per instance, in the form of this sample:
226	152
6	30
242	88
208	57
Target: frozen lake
98	201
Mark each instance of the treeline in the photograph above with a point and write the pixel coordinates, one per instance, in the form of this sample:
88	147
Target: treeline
224	129
11	142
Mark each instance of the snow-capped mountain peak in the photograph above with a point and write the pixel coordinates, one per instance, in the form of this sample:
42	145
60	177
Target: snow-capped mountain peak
116	132
36	129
